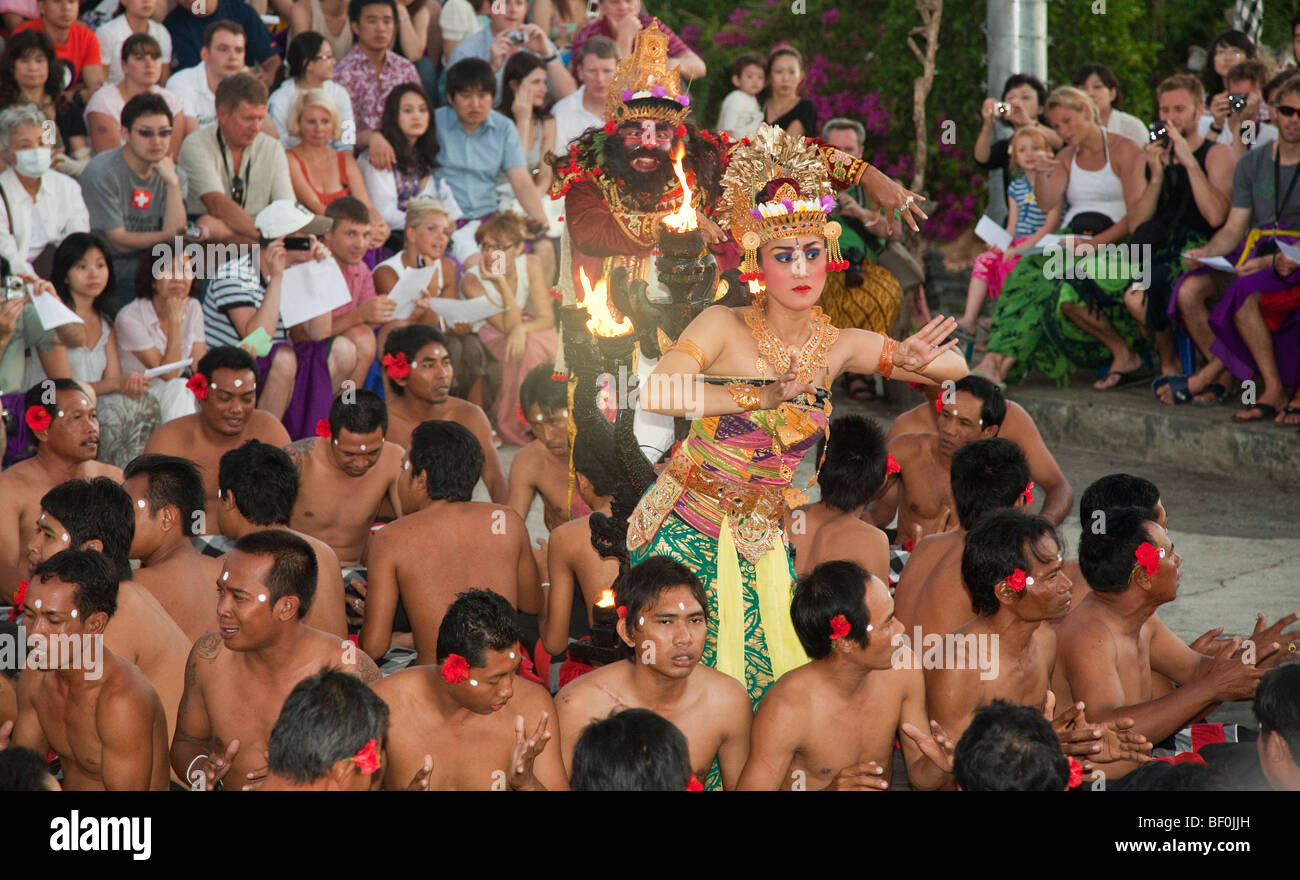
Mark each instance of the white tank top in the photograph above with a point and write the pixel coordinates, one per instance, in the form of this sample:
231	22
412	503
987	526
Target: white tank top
1098	191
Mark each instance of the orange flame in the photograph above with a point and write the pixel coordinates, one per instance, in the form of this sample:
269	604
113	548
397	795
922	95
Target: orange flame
606	599
684	219
600	322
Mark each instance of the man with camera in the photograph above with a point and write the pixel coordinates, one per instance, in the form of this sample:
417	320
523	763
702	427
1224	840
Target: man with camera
506	35
1238	116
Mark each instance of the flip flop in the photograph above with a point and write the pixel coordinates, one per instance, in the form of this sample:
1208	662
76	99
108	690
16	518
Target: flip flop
1290	411
1267	412
1125	379
1177	387
1219	393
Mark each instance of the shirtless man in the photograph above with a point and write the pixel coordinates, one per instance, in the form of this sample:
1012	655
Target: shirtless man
418	376
920	493
987	475
831	723
447	545
98	515
65	450
1108	647
1017	426
343	478
226	418
488	729
258	485
167	497
237	677
662	607
1012	569
93	709
542	467
832	528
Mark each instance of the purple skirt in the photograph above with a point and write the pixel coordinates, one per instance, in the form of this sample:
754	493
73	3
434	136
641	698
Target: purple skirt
1230	348
313	390
19	440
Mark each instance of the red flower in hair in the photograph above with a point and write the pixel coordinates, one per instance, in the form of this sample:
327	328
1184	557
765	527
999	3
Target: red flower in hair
938	405
1016	581
19	597
1028	494
893	467
840	627
323	429
611	126
1148	557
694	784
455	669
199	385
1076	773
37	418
519	413
367	760
396	366
680	131
622	612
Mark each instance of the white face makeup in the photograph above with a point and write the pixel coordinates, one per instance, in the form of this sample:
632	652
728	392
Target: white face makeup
1029	581
140	504
225	576
512	655
74	614
363	446
406	466
473	682
65	538
37	603
239	382
261	597
640	621
681	606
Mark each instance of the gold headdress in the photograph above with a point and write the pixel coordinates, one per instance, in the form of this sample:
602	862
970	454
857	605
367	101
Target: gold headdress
777	186
644	86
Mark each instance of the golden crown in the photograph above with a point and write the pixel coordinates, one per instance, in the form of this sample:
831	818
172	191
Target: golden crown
644	86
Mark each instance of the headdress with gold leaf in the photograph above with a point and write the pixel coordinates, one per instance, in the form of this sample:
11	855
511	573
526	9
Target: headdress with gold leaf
777	186
644	86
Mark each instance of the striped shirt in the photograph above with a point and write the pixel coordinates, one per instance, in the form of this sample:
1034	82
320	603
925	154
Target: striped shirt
1029	217
236	283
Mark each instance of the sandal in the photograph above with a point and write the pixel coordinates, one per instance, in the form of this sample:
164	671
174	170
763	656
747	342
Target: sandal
1218	392
1125	379
1289	410
1267	413
1177	387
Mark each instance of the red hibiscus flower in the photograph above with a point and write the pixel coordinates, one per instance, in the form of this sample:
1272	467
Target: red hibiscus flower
37	418
938	405
1148	557
1076	773
840	627
396	366
1016	581
323	428
611	127
680	131
367	760
19	597
893	467
622	612
519	413
694	784
199	385
1028	494
455	669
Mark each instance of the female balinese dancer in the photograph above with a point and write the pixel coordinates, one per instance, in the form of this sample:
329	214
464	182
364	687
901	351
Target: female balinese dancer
756	382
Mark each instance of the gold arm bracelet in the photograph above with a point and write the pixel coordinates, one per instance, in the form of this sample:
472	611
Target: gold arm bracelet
886	365
685	346
745	395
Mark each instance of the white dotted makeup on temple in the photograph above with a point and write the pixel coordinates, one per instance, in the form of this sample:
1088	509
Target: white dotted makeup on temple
225	576
640	621
1029	581
65	537
261	597
512	655
140	504
473	682
74	614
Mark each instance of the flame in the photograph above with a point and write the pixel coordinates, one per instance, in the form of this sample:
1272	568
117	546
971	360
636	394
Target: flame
600	322
683	219
606	599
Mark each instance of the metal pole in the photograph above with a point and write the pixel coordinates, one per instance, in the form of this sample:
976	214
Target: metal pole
1016	32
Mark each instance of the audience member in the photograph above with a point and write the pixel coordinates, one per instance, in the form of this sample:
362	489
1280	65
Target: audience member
189	21
741	114
221	57
42	206
20	331
30	74
323	20
140	54
137	17
523	96
370	71
360	319
1023	97
73	41
425	240
1247	127
559	20
407	126
311	66
621	20
585	108
163	325
457	20
508	35
1101	84
783	104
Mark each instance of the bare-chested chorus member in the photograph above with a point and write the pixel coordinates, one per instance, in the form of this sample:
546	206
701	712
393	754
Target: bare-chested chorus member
631	750
343	478
226	418
662	607
95	710
1009	748
486	728
238	676
446	545
167	497
65	450
831	723
541	468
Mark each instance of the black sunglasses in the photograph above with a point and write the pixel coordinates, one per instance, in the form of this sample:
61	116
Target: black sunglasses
1287	111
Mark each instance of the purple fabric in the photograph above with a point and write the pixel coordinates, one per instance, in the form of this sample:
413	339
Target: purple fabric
1230	348
17	442
1175	316
313	390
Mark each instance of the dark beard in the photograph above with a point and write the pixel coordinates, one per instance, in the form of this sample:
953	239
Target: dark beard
648	187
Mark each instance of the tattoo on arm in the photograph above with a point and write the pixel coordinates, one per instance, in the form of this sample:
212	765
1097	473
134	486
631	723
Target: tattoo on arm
208	646
299	450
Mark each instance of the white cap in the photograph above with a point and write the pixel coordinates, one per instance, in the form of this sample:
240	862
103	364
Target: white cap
285	217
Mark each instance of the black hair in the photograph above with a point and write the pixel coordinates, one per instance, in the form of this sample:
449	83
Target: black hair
999	544
146	277
172	480
747	59
22	44
1117	490
1107	555
1103	73
145	104
409	340
95	510
598	462
987	475
327	717
449	456
67	255
364	415
517	68
264	481
645	582
540	387
470	74
477	622
854	467
302	51
416	159
22	769
225	357
632	750
293	569
829	590
1016	80
1010	748
355	7
1209	76
91	573
993	403
33	397
1277	706
140	44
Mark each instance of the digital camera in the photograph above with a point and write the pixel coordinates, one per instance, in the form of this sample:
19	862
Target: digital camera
1158	133
1237	102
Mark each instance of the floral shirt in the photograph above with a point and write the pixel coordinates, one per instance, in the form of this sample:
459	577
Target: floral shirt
367	91
600	28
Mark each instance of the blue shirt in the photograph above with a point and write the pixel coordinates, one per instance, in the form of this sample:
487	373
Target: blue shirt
1029	217
187	30
470	163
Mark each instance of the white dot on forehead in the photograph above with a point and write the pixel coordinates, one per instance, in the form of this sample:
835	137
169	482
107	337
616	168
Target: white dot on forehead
681	606
140	504
239	382
37	603
261	597
363	446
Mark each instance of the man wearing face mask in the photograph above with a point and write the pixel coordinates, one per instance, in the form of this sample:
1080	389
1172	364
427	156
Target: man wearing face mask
41	206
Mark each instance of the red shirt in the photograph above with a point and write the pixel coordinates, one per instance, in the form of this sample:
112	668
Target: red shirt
81	49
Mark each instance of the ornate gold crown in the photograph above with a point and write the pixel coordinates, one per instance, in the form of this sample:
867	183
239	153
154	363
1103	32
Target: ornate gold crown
644	86
777	186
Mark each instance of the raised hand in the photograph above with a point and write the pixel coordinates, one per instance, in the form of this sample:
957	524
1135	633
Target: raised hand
211	770
936	746
1271	644
919	350
860	777
525	752
786	387
888	195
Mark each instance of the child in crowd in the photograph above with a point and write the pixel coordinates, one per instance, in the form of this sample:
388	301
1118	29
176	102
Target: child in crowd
741	114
